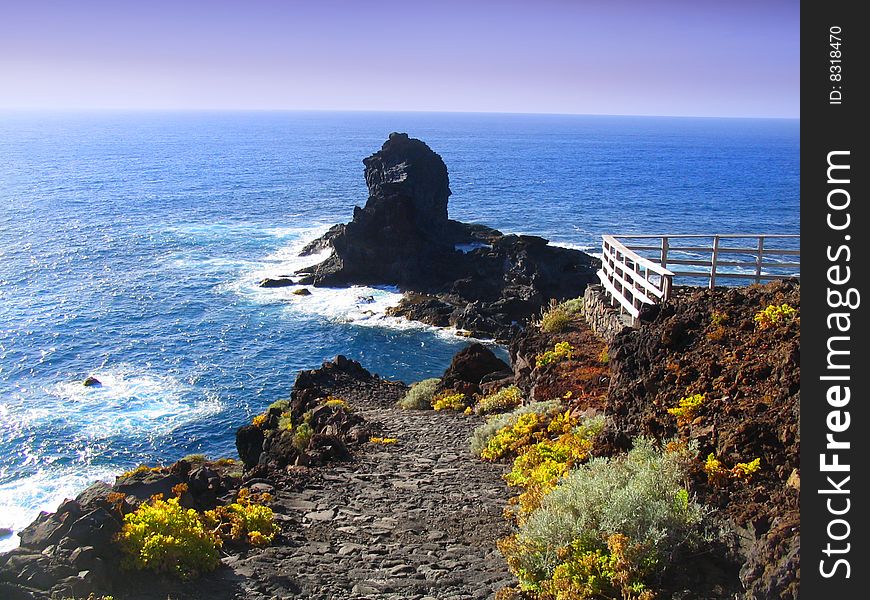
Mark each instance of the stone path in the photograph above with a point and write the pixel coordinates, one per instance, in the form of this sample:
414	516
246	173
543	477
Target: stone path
416	520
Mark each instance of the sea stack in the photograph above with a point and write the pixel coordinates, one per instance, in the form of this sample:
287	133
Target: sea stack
465	275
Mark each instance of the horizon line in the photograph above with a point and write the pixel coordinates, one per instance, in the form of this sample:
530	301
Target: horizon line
43	109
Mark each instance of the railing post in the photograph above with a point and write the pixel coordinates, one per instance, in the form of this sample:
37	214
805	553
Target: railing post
760	259
665	246
713	261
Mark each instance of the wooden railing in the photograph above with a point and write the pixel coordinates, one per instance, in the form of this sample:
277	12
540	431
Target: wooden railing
633	280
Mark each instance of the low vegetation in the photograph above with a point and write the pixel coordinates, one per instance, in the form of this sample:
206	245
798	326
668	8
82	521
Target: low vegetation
558	316
608	527
775	315
482	435
164	537
688	408
561	351
450	401
538	469
504	399
420	396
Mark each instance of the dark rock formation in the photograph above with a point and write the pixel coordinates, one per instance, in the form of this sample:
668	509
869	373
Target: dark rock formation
404	237
268	449
92	381
470	366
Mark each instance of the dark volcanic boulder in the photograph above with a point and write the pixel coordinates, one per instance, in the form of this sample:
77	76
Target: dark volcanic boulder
249	443
469	367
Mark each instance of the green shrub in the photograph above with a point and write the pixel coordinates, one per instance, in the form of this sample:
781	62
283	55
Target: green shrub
557	317
302	436
555	320
607	527
561	351
419	397
282	405
506	398
482	435
574	305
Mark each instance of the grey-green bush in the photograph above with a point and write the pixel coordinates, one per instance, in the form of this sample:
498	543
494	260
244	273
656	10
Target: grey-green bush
419	397
639	494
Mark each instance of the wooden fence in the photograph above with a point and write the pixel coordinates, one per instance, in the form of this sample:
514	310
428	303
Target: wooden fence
633	280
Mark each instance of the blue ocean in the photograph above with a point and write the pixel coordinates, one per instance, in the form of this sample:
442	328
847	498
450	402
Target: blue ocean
131	246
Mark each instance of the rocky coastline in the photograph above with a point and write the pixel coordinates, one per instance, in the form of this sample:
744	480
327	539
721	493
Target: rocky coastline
370	497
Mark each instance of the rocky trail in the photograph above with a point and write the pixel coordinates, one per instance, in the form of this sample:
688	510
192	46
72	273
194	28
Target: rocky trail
414	520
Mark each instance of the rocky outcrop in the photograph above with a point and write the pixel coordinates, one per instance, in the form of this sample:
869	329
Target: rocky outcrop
321	404
403	236
470	367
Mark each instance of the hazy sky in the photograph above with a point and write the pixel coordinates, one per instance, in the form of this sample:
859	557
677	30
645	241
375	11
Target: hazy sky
677	57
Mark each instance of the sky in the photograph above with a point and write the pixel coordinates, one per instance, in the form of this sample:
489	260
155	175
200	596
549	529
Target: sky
719	58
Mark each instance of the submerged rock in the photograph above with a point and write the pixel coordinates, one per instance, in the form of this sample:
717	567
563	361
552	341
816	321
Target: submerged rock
92	381
270	282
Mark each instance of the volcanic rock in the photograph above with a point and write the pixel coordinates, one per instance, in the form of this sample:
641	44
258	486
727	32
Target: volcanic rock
470	366
403	236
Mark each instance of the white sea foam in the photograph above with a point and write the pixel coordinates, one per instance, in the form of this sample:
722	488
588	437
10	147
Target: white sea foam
466	248
364	306
571	246
130	402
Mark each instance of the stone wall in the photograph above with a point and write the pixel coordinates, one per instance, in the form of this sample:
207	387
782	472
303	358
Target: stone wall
601	316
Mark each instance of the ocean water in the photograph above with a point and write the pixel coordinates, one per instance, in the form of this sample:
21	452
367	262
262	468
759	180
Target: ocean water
131	246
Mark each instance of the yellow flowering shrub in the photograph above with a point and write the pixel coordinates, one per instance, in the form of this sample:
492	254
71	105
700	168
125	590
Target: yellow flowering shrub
337	402
746	470
774	315
561	351
718	474
163	537
687	408
447	401
259	420
505	399
527	429
247	519
543	464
